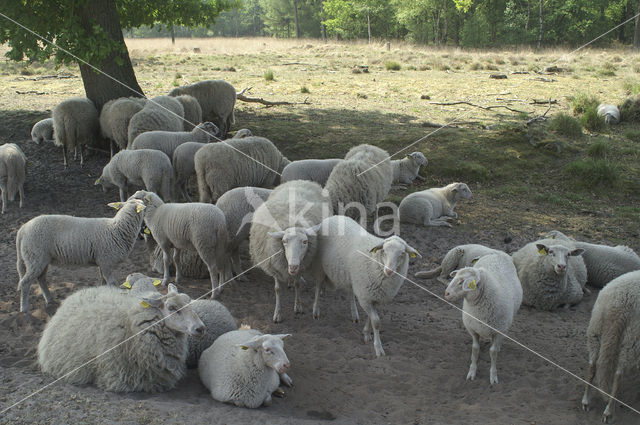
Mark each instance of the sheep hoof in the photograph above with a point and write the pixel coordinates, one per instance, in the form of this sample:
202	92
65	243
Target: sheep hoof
297	309
279	392
277	318
585	406
379	352
472	374
285	379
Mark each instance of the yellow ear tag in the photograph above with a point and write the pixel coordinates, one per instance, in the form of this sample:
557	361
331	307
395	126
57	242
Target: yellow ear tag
374	250
97	181
147	231
140	208
156	282
475	260
244	347
542	251
552	237
116	205
408	156
145	304
472	285
412	255
126	285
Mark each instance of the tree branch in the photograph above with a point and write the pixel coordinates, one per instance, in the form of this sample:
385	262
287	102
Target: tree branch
267	103
488	108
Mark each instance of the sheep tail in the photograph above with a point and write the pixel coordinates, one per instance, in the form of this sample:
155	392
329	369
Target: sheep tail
613	327
429	274
19	261
12	177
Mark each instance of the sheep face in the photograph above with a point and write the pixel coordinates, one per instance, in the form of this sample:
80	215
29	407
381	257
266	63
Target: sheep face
557	256
394	253
462	191
177	312
210	128
295	241
418	158
271	349
464	280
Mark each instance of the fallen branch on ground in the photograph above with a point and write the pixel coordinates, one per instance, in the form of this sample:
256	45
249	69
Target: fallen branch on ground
267	103
47	77
542	117
488	108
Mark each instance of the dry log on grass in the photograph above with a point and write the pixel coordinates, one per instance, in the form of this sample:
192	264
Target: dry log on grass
267	103
488	108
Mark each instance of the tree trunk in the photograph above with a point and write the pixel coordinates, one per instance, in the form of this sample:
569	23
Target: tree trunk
369	26
636	33
323	28
121	80
295	17
173	36
540	30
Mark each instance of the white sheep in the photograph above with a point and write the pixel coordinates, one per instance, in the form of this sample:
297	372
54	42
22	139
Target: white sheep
138	284
217	321
184	168
492	295
168	141
150	334
68	240
433	207
115	117
195	226
406	170
371	268
315	170
250	161
238	206
280	242
551	272
457	258
192	111
217	99
148	168
42	131
613	338
610	113
242	133
190	263
162	113
76	124
245	367
12	164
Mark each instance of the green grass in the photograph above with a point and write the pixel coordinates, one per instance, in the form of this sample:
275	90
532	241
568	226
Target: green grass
304	89
594	173
584	102
566	125
599	149
633	135
269	76
392	66
591	121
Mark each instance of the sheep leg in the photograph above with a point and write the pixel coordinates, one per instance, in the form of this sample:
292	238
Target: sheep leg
316	299
267	400
366	331
419	177
493	353
375	324
437	222
475	351
586	398
355	318
25	285
277	316
4	199
21	191
297	305
608	411
285	379
107	274
64	156
176	257
82	154
236	265
42	281
165	264
123	193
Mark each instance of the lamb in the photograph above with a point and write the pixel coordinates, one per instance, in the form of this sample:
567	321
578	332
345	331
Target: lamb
168	141
196	226
457	258
492	295
75	125
433	207
280	241
245	367
217	320
315	170
604	263
250	161
115	117
364	179
42	131
613	338
68	240
610	113
371	268
162	113
189	261
551	272
238	206
12	164
148	168
406	170
217	99
150	335
192	111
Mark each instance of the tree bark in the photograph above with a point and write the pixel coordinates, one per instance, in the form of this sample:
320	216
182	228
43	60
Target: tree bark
323	28
121	80
173	36
295	17
636	33
369	26
540	30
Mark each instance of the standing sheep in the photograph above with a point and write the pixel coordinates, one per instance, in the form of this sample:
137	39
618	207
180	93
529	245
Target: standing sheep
250	161
457	258
406	170
162	113
148	168
492	296
67	240
189	261
315	170
613	338
217	99
245	367
433	207
12	163
42	131
192	111
150	334
371	268
168	141
115	117
76	124
280	241
217	321
184	168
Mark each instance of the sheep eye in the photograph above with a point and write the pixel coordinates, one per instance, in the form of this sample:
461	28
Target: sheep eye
304	242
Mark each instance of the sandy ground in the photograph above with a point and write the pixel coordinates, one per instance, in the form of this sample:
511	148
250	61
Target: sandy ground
336	376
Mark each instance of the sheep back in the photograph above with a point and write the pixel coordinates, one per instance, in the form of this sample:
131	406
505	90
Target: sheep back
605	263
217	98
238	206
42	130
192	111
162	113
115	117
76	123
315	170
217	320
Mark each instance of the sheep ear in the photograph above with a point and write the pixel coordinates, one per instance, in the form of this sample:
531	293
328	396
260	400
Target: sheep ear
172	289
413	253
115	205
97	182
282	336
542	249
255	343
409	156
147	199
147	302
469	285
313	230
126	285
475	260
140	208
276	235
453	273
576	252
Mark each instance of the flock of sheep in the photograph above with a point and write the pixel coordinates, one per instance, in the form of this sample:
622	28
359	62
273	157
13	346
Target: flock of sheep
301	221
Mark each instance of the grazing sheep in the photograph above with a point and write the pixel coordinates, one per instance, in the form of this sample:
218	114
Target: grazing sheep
192	111
406	170
150	336
433	207
217	99
168	141
189	261
492	296
613	338
315	170
457	258
238	206
250	161
184	168
245	367
242	133
76	124
42	131
364	179
604	263
68	240
371	268
115	117
610	113
196	226
162	113
12	163
551	272
217	321
148	168
280	241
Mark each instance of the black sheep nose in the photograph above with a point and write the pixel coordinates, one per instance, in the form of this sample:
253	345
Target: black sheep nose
201	330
